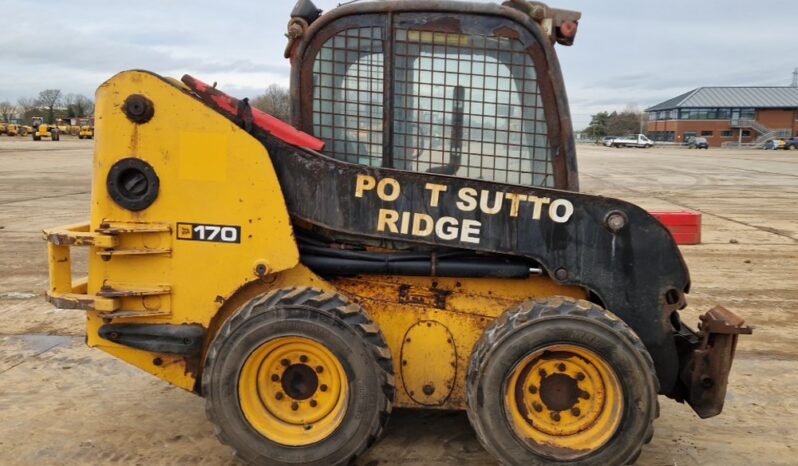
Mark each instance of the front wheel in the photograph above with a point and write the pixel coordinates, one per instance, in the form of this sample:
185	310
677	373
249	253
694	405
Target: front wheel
561	382
298	377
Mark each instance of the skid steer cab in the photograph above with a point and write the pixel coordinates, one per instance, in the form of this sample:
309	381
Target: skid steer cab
414	238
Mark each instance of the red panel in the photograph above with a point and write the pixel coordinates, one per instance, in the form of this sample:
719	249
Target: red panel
684	226
230	106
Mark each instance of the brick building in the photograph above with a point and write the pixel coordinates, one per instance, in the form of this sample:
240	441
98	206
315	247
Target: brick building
726	115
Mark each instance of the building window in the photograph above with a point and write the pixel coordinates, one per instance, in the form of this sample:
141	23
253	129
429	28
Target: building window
716	114
706	133
662	136
725	134
746	133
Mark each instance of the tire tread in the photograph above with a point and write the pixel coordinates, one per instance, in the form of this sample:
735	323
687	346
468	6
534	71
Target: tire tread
333	305
551	307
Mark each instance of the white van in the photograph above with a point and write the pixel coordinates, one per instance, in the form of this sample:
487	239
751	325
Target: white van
633	140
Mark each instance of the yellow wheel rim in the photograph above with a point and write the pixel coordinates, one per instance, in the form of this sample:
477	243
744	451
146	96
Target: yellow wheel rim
293	391
564	401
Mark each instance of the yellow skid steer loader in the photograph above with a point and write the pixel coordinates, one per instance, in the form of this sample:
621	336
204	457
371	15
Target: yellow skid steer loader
415	238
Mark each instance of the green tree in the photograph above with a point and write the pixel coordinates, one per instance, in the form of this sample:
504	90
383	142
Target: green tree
629	121
597	128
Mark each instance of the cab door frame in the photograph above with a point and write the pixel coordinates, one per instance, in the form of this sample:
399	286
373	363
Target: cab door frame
445	16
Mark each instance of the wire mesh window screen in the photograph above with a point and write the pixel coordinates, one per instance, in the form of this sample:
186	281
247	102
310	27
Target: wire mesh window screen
486	84
464	104
348	95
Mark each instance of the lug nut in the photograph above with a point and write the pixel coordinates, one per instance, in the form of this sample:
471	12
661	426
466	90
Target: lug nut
561	367
285	362
533	389
542	372
580	376
313	403
279	395
576	412
303	358
319	369
323	387
555	416
537	407
275	377
294	406
584	395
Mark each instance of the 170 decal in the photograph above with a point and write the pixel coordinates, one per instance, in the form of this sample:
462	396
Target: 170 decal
210	233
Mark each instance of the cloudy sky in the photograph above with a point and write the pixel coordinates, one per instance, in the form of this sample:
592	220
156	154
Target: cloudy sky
627	52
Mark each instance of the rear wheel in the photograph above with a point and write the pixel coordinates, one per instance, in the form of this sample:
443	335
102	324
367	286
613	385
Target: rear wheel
299	376
561	381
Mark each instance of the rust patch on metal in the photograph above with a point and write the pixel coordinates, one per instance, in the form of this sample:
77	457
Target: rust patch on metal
70	302
422	296
506	31
450	24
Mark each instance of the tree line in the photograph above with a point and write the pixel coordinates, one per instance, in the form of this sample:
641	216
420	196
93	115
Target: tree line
629	121
50	104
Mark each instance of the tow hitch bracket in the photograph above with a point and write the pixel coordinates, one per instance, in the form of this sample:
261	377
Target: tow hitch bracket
706	373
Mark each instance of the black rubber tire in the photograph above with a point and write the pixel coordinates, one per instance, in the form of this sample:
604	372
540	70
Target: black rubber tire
536	324
344	329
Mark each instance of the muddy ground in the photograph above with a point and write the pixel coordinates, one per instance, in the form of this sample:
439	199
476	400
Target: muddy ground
61	403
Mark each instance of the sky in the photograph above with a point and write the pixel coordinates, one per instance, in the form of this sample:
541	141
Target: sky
627	53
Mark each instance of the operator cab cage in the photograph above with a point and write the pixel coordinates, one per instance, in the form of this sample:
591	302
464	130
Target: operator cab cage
465	89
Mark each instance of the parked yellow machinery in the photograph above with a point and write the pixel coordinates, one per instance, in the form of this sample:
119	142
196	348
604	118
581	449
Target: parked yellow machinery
86	129
415	238
44	130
